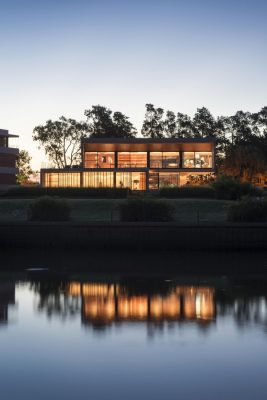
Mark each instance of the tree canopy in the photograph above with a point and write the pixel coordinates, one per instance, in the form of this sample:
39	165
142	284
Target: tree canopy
61	140
23	163
102	122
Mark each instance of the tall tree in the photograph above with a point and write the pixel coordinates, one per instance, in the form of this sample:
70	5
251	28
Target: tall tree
101	123
23	163
170	124
204	123
153	125
122	126
61	140
184	126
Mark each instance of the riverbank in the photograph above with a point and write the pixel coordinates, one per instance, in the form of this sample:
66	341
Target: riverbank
134	236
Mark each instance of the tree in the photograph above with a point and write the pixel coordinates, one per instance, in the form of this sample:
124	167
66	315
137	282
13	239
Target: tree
184	126
153	125
101	123
244	160
24	167
170	124
204	123
61	140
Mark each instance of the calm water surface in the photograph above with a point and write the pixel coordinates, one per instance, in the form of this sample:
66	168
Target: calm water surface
70	336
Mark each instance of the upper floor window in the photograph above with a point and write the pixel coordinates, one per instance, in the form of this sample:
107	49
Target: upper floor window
132	159
99	159
198	159
164	159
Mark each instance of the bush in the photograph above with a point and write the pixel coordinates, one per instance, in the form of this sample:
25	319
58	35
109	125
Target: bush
37	191
200	192
228	188
146	209
248	210
49	209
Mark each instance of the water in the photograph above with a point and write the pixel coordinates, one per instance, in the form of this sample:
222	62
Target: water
79	335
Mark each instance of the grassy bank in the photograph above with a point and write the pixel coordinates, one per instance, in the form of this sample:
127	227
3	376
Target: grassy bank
186	210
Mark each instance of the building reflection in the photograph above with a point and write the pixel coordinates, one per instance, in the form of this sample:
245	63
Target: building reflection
103	304
7	298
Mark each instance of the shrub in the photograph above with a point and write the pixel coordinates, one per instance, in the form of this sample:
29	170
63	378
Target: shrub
200	192
146	209
49	209
228	188
37	191
248	210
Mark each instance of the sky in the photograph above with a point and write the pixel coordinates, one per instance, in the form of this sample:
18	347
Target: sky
60	57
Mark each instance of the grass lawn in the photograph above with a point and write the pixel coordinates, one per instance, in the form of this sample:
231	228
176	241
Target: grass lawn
187	210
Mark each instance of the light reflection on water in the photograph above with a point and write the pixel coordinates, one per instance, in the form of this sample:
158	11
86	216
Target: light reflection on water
133	338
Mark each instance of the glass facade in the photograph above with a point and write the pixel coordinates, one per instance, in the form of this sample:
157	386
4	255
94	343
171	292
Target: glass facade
99	160
98	179
132	159
197	159
164	159
62	179
158	180
132	180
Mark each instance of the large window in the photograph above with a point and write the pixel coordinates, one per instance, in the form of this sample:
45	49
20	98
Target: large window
132	159
62	179
99	159
161	179
164	159
197	159
98	179
132	180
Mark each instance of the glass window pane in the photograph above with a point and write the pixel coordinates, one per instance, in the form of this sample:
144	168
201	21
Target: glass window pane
188	160
203	159
132	159
156	160
98	179
171	160
132	180
168	179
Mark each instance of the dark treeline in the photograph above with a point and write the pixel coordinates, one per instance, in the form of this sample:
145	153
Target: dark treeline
241	139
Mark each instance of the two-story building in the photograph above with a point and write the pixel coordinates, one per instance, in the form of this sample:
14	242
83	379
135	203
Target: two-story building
137	163
8	157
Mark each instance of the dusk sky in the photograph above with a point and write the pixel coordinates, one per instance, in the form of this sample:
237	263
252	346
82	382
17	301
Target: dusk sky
59	57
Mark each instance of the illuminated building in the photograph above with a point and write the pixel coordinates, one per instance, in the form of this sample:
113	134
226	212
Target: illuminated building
137	164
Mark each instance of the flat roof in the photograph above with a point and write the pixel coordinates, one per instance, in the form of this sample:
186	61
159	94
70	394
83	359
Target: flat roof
147	144
148	140
4	132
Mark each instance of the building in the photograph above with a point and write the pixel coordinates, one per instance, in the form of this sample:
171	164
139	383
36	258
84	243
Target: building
137	163
8	157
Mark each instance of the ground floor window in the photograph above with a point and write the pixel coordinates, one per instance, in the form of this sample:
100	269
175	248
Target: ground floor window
132	180
98	179
62	179
158	180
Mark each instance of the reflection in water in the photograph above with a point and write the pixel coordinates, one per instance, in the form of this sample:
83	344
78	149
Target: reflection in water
153	302
103	304
7	297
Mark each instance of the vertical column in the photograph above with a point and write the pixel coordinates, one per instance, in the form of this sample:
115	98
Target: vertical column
81	179
181	159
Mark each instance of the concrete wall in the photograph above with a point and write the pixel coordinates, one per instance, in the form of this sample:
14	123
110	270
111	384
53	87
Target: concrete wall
134	236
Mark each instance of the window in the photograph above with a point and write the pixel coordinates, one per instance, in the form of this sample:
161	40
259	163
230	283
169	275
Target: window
161	179
132	180
197	159
164	159
99	159
132	160
62	179
98	179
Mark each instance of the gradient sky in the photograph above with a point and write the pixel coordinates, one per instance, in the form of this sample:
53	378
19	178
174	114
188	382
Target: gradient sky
59	57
